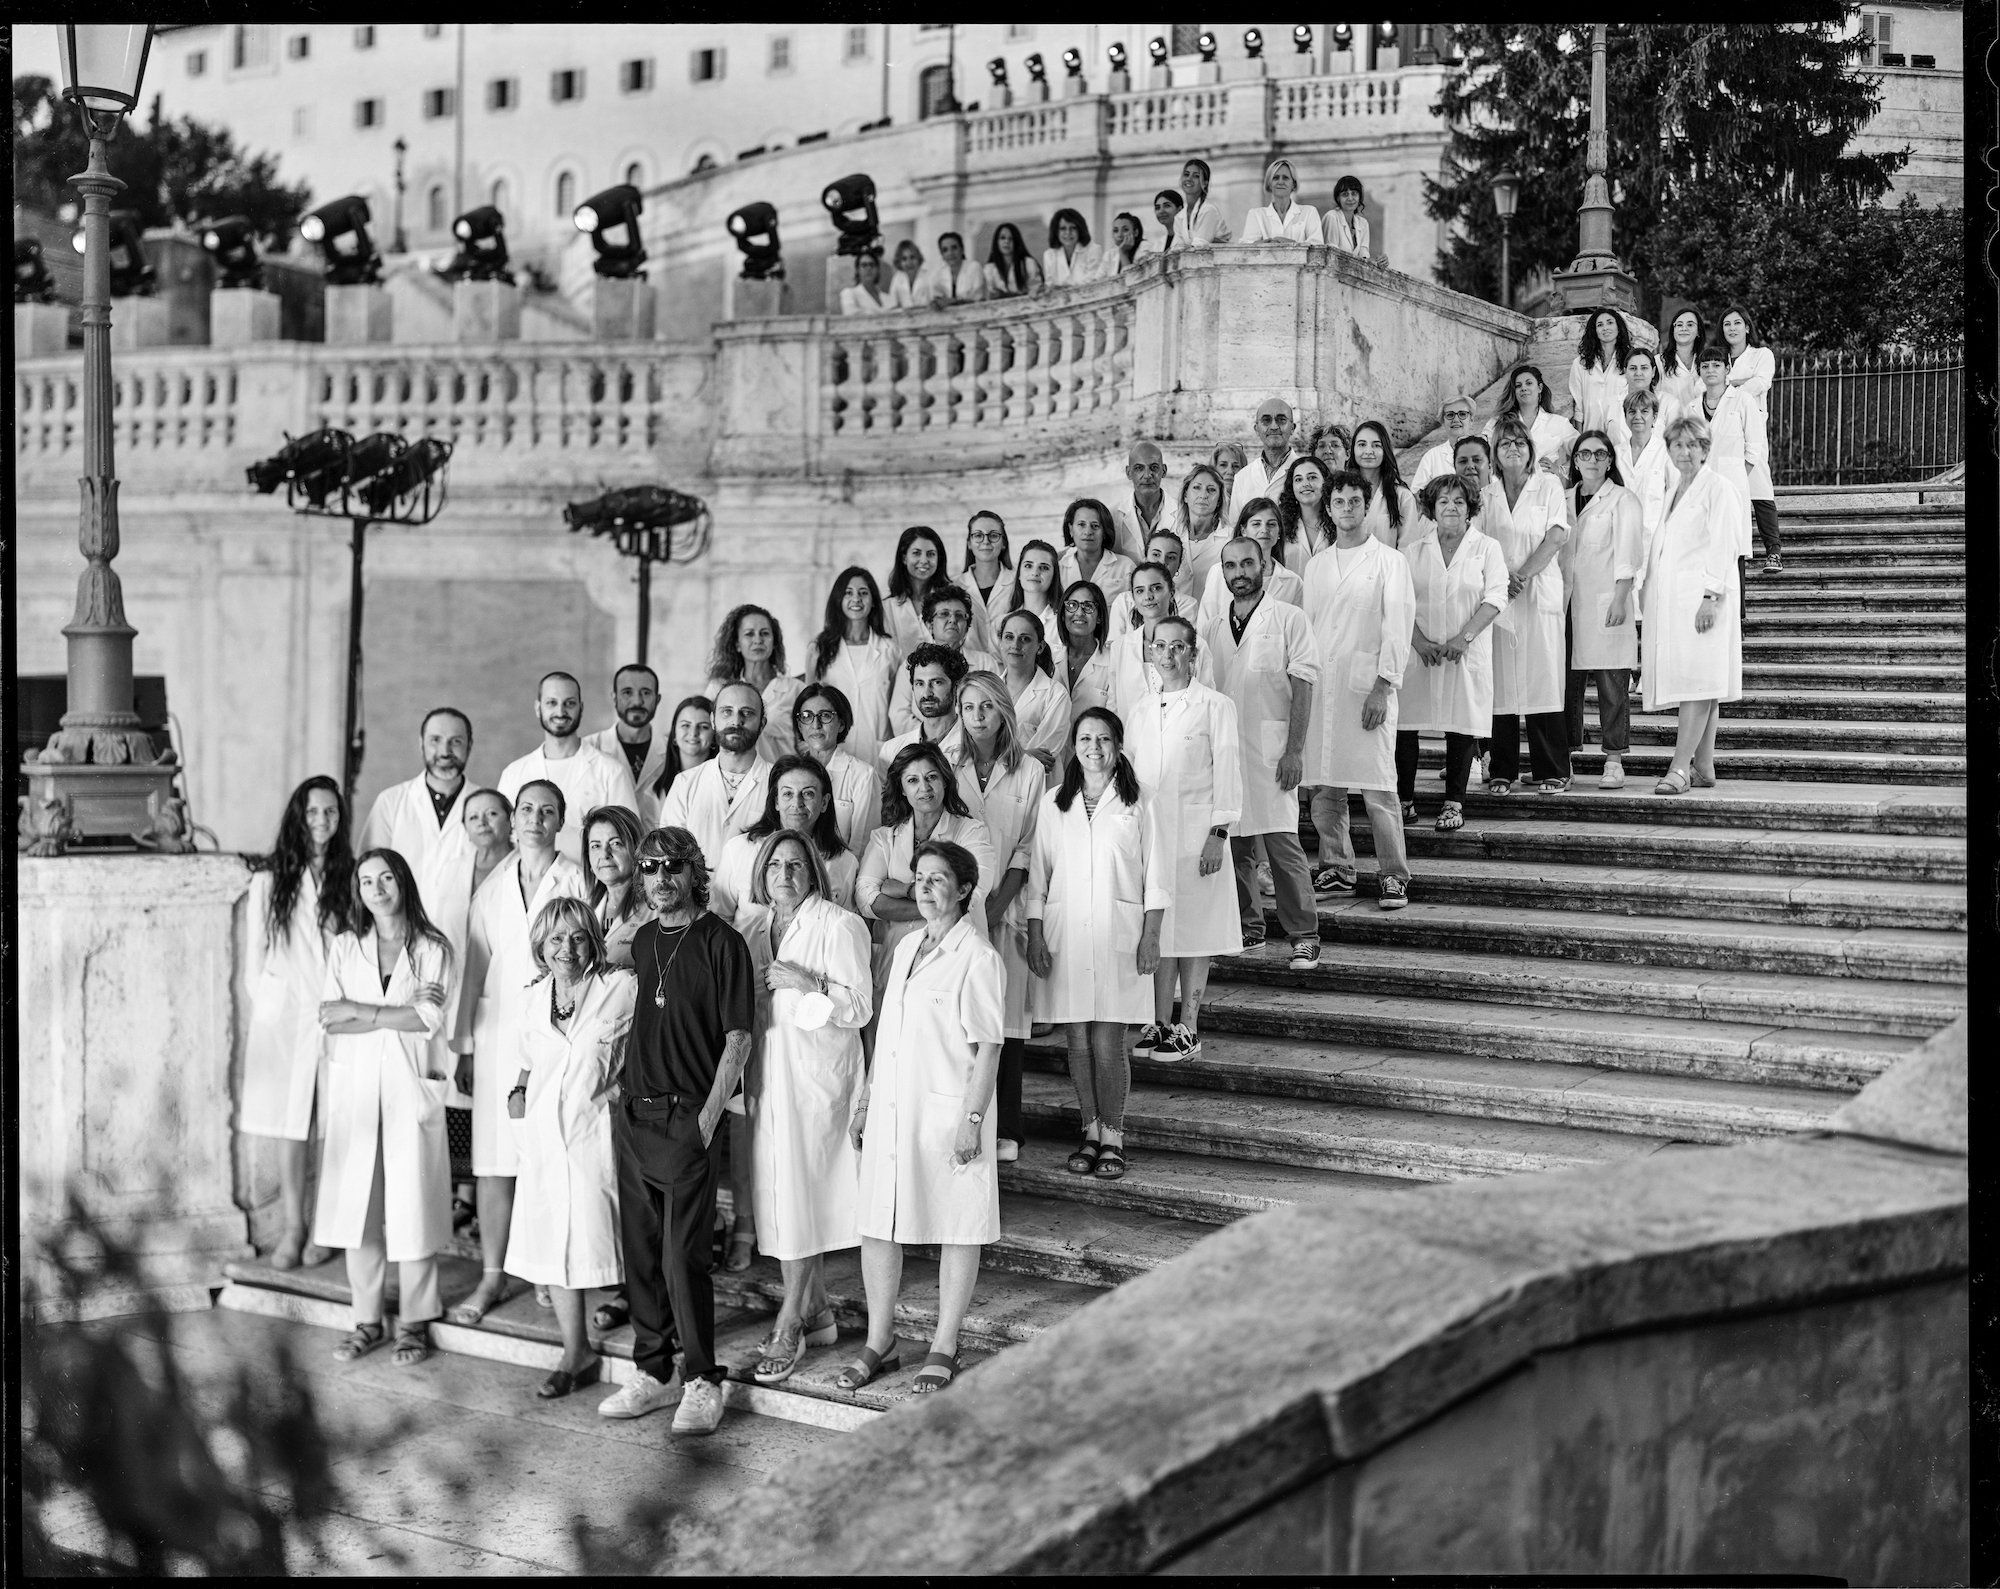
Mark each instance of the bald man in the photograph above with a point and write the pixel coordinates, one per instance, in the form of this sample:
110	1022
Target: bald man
1264	475
1147	505
586	776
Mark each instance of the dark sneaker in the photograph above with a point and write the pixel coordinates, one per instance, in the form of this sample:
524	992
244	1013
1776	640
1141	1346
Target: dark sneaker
1305	954
1150	1037
1395	893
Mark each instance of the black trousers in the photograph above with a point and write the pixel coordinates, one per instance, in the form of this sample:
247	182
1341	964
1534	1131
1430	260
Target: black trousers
1012	1052
1614	702
1458	751
1764	519
1548	746
666	1216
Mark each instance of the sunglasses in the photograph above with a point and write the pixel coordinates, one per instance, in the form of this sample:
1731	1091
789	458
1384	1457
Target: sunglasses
653	865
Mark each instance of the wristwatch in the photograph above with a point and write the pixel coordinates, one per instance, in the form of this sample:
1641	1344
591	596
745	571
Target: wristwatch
974	1118
1219	831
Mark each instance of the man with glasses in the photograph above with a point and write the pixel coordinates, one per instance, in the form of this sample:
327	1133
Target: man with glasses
1457	417
690	1039
725	794
1264	475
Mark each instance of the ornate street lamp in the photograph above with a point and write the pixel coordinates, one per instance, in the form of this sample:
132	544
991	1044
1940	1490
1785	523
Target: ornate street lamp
100	776
1594	277
1506	194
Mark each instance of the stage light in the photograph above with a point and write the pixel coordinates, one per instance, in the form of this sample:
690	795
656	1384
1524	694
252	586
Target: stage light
300	456
482	247
1073	62
131	276
1038	69
1158	50
997	70
603	216
1119	57
755	228
232	244
1302	39
1207	45
341	231
1343	36
850	205
1253	43
32	281
634	508
1385	32
407	474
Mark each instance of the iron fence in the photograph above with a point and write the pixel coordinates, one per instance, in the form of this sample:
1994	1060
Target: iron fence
1863	418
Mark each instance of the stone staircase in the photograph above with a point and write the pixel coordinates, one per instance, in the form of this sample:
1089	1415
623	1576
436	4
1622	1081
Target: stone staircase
1578	979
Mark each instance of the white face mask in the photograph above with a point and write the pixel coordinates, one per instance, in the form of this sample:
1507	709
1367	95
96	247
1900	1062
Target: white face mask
812	1011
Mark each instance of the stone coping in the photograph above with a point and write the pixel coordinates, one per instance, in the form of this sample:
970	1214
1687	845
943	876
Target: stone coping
95	882
1304	1338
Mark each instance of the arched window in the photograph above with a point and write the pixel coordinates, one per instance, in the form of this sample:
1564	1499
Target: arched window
497	195
934	91
635	174
434	216
565	194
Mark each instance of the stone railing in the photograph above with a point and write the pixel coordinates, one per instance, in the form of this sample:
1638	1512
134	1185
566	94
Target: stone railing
173	400
1371	96
1023	134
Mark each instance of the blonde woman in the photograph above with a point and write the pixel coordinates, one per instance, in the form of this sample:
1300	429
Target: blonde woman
1281	218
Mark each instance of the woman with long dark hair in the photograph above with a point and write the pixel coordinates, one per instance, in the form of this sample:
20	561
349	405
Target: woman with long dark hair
798	798
1086	653
988	576
1597	373
1041	703
1308	526
1392	516
854	652
1071	256
823	720
1011	271
750	646
920	803
1088	533
385	1168
1529	403
1097	893
921	563
1753	367
691	741
1606	555
1525	511
1680	379
299	896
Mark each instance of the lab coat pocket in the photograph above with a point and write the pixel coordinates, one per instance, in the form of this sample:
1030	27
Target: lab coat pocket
1361	673
1264	654
1271	738
432	1090
1604	608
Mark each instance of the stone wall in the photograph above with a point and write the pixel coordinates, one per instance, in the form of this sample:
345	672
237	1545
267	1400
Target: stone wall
1742	1359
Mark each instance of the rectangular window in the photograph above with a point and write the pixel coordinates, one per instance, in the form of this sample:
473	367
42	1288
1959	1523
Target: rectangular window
438	103
197	62
565	86
299	46
503	93
302	122
1020	30
636	77
781	53
1187	38
252	47
705	66
433	30
1878	28
368	113
857	44
364	38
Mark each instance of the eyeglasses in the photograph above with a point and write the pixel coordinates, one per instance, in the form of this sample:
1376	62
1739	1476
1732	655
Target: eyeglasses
1597	453
1081	605
826	719
987	535
653	865
1458	413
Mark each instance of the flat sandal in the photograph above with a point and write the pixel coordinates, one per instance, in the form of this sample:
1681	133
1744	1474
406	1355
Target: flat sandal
1084	1160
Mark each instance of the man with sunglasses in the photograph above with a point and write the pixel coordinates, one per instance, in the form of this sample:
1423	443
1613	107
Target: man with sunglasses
690	1040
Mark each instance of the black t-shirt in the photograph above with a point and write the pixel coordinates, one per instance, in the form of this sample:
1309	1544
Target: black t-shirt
635	753
706	978
441	803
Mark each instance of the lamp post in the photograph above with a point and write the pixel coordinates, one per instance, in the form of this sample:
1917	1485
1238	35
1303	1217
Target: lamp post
100	775
399	243
1506	194
1594	278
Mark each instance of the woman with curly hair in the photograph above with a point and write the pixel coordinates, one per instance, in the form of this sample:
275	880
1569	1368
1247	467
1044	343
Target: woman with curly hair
298	901
1333	445
1597	373
1071	257
854	652
749	646
1302	502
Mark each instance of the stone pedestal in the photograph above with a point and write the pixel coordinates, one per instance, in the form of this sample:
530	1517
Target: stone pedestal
1294	64
358	315
140	323
621	310
241	315
41	330
1576	291
999	97
129	1034
1160	77
758	300
1037	91
1389	58
1118	83
1208	72
1340	62
485	311
1248	69
1075	88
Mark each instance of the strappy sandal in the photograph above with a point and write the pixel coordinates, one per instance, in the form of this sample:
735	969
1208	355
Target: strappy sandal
938	1371
1451	818
1084	1160
610	1314
412	1345
779	1364
1675	782
1110	1164
741	1251
821	1330
1500	786
1697	779
870	1366
360	1341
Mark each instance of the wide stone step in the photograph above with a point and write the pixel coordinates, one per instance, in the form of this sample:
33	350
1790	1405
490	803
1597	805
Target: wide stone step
1854	903
1854	1004
1404	1143
1747	1051
1650	762
1197	1187
1540	836
1919	651
1859	676
1836	623
1887	954
1891	736
1581	1096
1897	706
1917	551
1782	593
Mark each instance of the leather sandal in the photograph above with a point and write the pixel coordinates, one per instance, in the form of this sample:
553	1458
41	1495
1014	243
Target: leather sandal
870	1366
610	1314
413	1345
1110	1164
562	1381
360	1341
939	1370
1500	786
1084	1160
1451	818
1674	783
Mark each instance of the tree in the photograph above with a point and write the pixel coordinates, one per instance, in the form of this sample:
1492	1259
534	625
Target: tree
1705	116
185	170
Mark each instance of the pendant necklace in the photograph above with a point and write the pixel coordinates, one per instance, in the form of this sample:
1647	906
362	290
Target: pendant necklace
660	987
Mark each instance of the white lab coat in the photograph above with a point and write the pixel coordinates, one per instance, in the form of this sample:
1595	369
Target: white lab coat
1133	530
284	1050
565	1230
385	1093
1453	697
404	820
1299	224
700	802
1092	685
1605	546
932	1018
857	299
891	853
1204	555
1761	365
1596	395
1200	226
1347	233
606	740
618	935
1042	714
1116	264
1376	520
1298	551
1257	673
885	758
777	740
1008	805
447	891
588	779
1730	431
1059	270
946	287
1528	670
799	1092
864	674
1254	480
1694	552
1680	390
1133	676
987	609
1112	574
999	286
902	704
499	965
1650	477
906	292
1434	463
857	797
1552	435
1361	624
1280	585
908	630
1090	885
1187	750
729	884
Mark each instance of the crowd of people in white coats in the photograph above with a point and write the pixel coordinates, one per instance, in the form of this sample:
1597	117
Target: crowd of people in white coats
817	911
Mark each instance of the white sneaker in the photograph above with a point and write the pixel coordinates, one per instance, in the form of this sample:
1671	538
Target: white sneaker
1614	774
1006	1150
640	1395
700	1411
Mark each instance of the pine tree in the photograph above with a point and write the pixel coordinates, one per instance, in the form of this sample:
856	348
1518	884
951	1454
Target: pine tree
1698	114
